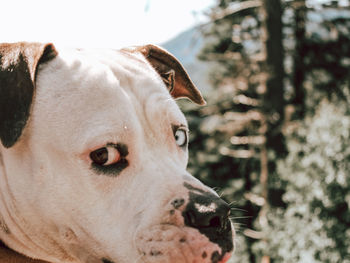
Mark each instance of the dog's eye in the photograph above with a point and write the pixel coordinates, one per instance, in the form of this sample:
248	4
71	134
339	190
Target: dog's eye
105	156
180	135
110	160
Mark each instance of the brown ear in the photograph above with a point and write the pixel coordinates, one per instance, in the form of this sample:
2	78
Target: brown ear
172	72
18	68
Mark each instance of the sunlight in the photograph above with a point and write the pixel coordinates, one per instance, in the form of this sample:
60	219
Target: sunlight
99	23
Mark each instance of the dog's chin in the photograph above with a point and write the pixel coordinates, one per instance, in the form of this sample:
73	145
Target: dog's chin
172	244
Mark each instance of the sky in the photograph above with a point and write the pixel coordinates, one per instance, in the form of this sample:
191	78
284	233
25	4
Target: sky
98	23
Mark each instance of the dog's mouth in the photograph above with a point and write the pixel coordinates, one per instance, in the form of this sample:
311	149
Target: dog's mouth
223	237
173	244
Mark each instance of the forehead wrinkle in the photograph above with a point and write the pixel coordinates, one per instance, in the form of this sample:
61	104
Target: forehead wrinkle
160	112
144	86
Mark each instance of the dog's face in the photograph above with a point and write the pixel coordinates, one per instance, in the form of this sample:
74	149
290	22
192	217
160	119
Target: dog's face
95	171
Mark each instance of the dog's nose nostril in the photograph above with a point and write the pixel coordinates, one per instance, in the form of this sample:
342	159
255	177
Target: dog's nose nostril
207	211
215	222
177	203
196	219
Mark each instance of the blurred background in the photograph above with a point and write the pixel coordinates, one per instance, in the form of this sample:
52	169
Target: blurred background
274	138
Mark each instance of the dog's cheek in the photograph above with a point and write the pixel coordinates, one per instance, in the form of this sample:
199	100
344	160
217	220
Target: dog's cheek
183	157
68	235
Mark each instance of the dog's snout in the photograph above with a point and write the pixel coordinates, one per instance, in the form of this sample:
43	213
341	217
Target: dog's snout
209	214
206	210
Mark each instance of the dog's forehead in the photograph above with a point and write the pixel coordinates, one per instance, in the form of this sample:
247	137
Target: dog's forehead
91	92
113	68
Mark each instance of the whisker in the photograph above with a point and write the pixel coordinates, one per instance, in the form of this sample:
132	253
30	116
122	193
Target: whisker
239	209
218	191
240	217
233	202
239	231
239	224
240	227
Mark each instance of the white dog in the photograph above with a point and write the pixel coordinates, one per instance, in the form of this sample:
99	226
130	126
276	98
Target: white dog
93	159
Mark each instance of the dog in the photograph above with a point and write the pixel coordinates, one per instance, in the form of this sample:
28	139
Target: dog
93	160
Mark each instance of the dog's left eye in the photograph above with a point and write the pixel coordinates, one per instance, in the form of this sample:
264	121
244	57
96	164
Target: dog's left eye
105	156
180	135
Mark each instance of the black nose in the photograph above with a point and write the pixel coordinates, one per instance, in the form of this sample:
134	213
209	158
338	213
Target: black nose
206	210
210	215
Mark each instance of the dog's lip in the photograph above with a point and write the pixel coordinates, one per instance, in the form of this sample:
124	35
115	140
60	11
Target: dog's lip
221	254
226	257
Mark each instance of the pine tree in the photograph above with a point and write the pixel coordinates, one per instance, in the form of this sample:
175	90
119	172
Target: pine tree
274	67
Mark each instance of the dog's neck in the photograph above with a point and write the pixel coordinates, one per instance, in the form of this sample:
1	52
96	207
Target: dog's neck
8	255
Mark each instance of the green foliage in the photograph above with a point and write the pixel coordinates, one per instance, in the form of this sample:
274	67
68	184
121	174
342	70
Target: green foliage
309	184
327	56
211	161
315	227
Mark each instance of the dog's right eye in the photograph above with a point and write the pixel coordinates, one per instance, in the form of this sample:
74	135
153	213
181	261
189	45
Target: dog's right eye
105	156
110	160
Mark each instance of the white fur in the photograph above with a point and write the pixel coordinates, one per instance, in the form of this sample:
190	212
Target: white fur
56	207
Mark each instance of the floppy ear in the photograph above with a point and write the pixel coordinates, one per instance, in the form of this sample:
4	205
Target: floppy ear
172	72
18	68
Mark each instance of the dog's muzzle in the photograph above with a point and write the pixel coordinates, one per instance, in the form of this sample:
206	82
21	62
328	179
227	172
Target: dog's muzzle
195	228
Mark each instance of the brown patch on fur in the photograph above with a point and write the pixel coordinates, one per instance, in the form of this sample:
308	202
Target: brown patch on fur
8	255
4	226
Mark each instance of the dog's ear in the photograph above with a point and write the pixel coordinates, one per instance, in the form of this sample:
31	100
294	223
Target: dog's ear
18	69
172	72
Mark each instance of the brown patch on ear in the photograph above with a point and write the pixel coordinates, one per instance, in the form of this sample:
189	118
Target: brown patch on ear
169	79
18	69
172	72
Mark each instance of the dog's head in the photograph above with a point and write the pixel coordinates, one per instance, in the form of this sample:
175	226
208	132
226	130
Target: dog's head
93	159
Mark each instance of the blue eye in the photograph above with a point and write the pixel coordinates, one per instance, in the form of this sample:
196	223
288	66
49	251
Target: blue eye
180	135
